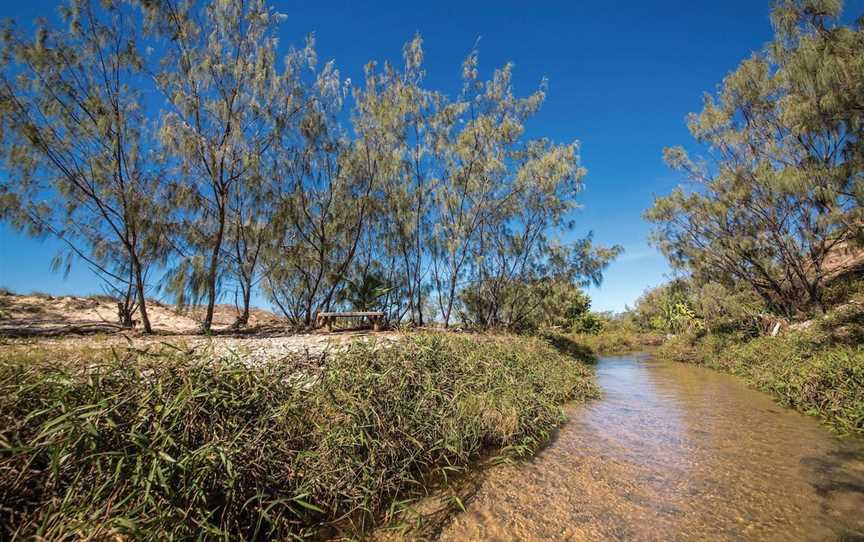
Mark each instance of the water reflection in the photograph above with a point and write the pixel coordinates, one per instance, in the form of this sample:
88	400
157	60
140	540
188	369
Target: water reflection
674	452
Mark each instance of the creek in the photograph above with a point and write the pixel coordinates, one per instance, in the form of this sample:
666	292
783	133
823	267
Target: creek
674	452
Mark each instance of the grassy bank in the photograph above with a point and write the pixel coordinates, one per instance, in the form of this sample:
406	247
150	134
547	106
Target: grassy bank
617	341
155	445
818	371
612	340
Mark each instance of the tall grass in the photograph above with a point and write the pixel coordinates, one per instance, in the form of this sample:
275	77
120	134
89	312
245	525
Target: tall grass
803	371
617	341
171	445
613	338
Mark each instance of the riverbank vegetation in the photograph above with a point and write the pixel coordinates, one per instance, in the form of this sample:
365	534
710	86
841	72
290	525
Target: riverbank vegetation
162	443
768	232
815	366
608	335
567	318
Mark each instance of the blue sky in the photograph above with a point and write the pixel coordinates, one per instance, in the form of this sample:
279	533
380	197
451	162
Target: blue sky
622	77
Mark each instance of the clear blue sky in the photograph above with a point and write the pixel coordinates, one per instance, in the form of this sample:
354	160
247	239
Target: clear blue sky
623	75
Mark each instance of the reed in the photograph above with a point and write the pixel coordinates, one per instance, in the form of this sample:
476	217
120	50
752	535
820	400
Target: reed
169	444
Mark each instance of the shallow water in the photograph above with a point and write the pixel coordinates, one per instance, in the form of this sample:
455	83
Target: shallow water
674	452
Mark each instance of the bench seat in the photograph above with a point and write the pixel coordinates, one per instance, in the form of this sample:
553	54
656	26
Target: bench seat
327	318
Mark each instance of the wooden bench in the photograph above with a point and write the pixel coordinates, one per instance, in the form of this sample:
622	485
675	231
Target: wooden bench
327	318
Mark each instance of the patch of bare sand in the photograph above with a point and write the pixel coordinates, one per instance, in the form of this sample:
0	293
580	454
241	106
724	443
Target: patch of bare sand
24	319
251	350
43	314
258	350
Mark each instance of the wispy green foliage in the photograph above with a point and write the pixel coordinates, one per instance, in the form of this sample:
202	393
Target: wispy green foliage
520	288
220	79
76	146
323	182
434	195
257	181
782	187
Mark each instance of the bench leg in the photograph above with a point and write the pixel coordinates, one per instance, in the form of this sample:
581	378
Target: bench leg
376	324
329	324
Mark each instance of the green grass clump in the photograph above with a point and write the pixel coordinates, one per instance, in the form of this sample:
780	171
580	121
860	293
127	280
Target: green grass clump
171	445
801	370
612	340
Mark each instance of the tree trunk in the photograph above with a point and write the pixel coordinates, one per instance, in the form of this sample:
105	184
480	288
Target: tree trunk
307	319
139	287
419	307
243	319
450	300
211	277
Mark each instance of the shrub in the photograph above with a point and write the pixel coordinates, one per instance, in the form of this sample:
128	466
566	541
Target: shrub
171	445
589	323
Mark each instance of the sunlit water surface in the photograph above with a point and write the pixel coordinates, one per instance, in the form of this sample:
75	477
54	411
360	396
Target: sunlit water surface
674	452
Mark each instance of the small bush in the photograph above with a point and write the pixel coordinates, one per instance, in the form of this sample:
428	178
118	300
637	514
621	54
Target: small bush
169	445
589	323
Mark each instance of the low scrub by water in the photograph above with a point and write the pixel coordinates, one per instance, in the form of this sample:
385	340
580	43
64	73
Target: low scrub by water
811	372
170	444
613	338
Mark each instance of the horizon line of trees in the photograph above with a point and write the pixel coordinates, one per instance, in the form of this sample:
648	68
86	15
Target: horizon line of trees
169	147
